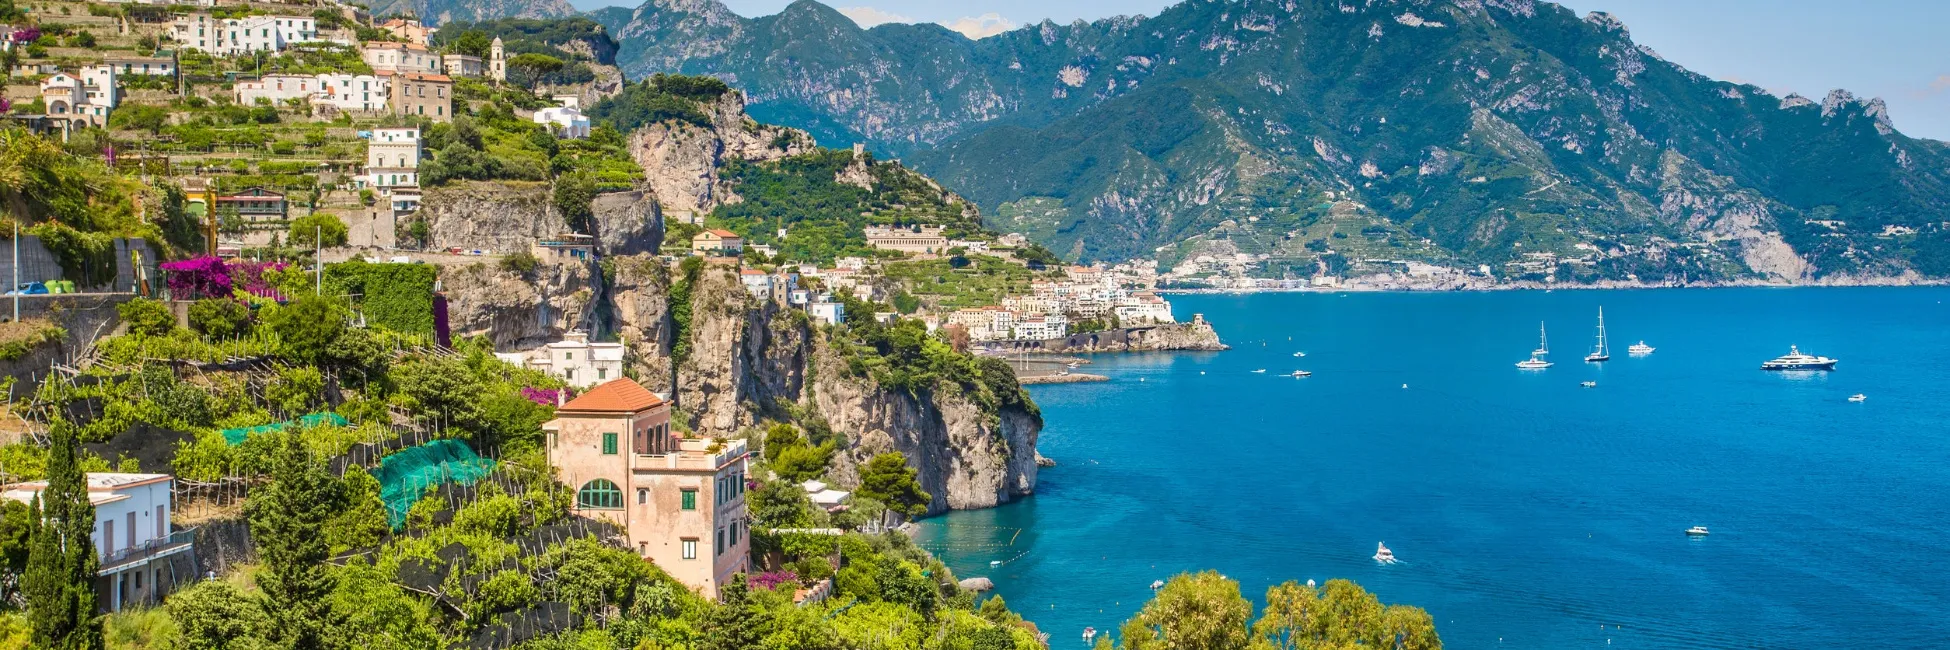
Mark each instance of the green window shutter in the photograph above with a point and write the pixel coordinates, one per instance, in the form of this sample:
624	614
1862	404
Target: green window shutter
609	443
690	499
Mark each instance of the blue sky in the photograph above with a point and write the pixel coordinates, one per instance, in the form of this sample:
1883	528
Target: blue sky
1894	49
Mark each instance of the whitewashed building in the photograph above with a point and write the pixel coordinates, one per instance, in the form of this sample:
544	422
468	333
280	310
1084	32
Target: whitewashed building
827	311
350	92
142	556
566	122
757	283
393	159
578	362
277	88
401	58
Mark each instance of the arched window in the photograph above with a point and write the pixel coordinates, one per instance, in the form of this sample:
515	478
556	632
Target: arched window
599	494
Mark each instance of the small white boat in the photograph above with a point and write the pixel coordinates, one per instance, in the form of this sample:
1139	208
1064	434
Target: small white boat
995	563
1696	531
1157	584
1299	354
1640	349
1260	371
1301	373
1858	397
1089	633
1589	384
1382	554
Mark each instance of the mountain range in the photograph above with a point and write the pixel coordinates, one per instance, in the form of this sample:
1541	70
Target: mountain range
1338	135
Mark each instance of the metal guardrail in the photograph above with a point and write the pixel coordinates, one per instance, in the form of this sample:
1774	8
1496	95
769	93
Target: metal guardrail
175	541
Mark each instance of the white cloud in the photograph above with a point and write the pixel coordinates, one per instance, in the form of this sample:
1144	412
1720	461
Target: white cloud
870	16
980	27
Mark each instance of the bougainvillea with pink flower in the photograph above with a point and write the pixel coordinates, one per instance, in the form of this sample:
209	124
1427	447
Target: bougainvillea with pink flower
197	278
544	396
249	276
773	579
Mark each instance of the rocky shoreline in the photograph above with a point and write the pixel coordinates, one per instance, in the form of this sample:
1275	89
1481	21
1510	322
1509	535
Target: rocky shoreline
1070	378
1194	336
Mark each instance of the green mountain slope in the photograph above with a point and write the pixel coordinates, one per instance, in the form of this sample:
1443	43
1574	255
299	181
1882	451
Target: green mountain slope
441	12
1315	134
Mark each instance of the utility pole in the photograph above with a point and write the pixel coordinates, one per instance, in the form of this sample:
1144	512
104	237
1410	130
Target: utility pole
318	258
16	287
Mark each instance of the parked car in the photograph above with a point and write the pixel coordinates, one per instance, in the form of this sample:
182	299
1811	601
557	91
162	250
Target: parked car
29	289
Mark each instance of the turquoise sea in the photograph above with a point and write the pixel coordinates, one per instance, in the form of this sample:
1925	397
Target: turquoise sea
1529	512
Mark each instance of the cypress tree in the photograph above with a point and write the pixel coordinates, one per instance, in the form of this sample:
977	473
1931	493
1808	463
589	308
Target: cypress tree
287	518
61	562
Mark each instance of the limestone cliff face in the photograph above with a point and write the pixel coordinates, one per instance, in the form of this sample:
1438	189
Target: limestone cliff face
500	216
516	311
639	316
627	223
965	458
747	358
681	160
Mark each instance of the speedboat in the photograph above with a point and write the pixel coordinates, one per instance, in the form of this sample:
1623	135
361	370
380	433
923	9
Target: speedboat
1696	531
1382	554
1299	354
1301	373
1795	360
1640	349
1858	397
1260	371
1157	584
1589	384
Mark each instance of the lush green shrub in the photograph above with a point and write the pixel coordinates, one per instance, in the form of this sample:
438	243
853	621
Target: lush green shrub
308	230
146	317
398	297
219	318
522	262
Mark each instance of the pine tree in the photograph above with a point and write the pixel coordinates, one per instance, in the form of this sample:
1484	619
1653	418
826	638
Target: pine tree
286	519
734	624
61	563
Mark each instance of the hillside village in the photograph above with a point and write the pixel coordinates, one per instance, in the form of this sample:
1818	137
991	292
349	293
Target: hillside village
424	282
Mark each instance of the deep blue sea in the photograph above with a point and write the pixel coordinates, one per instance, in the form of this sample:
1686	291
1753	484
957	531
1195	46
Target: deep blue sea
1529	512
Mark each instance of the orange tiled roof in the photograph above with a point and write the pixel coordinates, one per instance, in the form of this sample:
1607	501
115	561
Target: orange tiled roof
617	396
722	233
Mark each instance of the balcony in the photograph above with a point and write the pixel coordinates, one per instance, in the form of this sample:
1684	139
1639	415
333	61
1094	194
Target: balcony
694	455
141	553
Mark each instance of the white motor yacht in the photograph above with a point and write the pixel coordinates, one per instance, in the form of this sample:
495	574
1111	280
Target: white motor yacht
1382	554
1301	373
1795	360
1858	397
1589	384
1696	531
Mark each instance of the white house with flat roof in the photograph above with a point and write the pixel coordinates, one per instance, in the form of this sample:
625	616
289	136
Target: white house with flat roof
393	159
579	362
142	557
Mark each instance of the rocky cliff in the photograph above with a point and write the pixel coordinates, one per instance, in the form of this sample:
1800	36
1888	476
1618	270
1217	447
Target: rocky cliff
518	308
744	359
681	160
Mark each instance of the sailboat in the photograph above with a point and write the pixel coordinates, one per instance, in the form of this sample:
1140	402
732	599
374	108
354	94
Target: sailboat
1602	351
1536	360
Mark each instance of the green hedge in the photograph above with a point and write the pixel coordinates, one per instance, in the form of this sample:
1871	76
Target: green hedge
398	297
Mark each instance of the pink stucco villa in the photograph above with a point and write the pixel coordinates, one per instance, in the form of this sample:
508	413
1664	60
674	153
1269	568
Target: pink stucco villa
681	500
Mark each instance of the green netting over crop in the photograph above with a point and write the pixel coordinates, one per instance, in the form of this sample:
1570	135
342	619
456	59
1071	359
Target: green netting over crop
236	436
406	475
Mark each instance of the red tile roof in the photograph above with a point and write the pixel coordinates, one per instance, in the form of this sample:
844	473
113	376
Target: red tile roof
722	233
617	396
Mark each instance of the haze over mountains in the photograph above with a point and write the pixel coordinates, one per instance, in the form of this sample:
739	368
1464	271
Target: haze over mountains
1322	133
